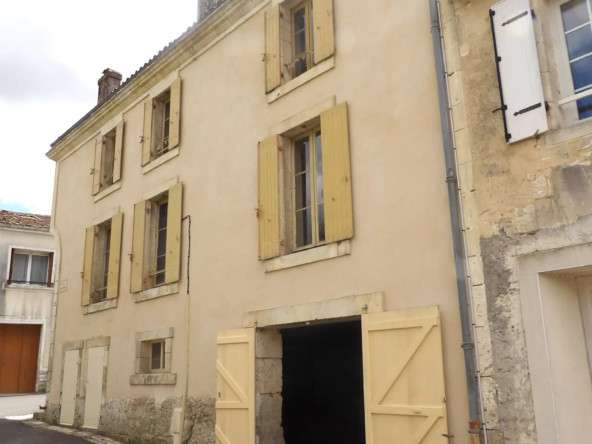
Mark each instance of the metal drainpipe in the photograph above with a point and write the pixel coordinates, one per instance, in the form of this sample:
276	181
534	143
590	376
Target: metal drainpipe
472	368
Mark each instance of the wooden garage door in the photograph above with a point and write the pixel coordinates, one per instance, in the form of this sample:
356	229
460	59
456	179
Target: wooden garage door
404	377
19	350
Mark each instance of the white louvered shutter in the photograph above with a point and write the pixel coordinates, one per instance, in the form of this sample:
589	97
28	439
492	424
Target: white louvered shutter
523	103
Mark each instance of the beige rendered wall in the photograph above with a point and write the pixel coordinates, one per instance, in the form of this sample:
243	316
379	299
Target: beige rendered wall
384	70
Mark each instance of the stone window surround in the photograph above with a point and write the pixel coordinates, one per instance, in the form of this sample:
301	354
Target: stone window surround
573	261
288	128
142	374
27	286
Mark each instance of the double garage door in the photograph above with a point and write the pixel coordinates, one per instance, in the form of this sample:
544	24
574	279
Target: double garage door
19	352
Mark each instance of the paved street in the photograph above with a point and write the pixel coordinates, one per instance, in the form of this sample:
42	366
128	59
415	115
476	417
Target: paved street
17	432
20	405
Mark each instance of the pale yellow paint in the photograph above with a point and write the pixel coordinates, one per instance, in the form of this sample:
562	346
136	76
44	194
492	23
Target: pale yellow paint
115	256
147	138
303	116
98	169
175	119
137	272
69	384
173	235
290	86
404	396
324	30
88	264
272	49
94	386
235	404
118	152
268	208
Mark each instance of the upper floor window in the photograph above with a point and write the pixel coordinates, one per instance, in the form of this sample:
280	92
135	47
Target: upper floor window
302	38
577	26
162	115
108	153
30	267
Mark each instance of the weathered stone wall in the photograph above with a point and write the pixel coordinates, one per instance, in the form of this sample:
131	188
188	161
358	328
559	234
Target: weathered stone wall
521	198
143	421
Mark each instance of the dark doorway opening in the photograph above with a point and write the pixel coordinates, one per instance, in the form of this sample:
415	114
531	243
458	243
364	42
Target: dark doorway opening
323	392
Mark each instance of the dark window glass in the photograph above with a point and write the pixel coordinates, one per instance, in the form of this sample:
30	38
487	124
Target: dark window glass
303	228
582	73
161	243
19	268
321	217
575	13
156	355
585	108
579	42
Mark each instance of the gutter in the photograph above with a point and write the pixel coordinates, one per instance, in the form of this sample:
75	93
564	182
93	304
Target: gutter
465	297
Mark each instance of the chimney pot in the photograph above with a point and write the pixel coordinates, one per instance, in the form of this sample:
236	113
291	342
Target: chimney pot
108	83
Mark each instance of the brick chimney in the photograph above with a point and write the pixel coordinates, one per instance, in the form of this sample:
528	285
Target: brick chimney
108	83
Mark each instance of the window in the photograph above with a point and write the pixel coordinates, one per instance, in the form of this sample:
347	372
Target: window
302	38
577	27
157	356
156	240
30	268
309	211
305	195
108	153
102	253
161	123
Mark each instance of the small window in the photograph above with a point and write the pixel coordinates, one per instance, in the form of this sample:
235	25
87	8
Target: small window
30	268
157	356
162	124
302	38
108	158
309	209
577	24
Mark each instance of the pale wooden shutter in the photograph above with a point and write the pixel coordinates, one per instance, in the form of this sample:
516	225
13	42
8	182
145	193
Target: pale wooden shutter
173	235
89	248
235	406
268	209
518	68
69	386
114	256
49	269
404	393
139	235
175	119
339	224
324	30
11	266
98	169
118	154
273	77
147	139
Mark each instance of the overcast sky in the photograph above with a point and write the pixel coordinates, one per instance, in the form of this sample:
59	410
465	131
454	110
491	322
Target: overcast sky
52	52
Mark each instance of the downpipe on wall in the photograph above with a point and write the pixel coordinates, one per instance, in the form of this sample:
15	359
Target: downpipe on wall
459	240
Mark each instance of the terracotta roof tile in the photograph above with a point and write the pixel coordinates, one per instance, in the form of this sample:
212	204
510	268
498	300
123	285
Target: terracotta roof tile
24	220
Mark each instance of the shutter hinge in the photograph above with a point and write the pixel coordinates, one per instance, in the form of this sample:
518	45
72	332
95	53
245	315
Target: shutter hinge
513	19
498	59
501	108
530	108
508	137
491	13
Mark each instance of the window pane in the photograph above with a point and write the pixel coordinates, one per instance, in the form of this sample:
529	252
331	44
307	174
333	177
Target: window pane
300	20
299	43
160	263
162	215
161	248
39	269
579	42
156	350
582	73
319	148
320	195
575	13
302	190
301	155
167	110
303	228
300	67
585	108
160	279
19	268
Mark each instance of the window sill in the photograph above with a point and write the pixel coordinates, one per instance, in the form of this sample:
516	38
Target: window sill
561	135
27	287
157	292
281	91
309	256
107	191
162	159
154	379
100	306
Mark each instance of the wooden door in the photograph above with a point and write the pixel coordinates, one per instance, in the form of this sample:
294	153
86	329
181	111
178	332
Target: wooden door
69	385
94	387
19	354
404	377
235	406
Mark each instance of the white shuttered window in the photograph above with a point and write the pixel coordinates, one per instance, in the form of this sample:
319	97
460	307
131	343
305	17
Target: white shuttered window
523	103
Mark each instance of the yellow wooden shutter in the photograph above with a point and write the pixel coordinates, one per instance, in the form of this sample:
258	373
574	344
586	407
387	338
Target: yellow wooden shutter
175	120
273	77
235	406
117	155
89	248
114	256
324	31
269	217
98	170
137	273
404	393
339	223
173	235
147	139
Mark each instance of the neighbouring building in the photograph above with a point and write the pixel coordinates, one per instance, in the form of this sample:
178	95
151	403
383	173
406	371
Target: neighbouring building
26	293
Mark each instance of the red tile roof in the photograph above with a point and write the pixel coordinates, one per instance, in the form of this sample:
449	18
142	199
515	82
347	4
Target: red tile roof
24	220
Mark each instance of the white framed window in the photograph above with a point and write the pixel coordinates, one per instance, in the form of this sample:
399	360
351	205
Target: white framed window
572	40
30	267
